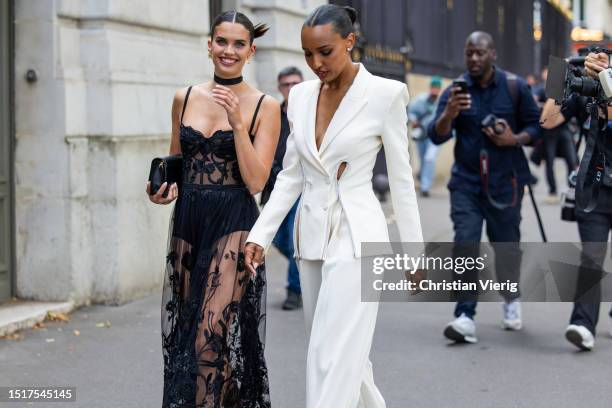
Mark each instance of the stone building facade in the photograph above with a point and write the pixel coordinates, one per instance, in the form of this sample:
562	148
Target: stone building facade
89	101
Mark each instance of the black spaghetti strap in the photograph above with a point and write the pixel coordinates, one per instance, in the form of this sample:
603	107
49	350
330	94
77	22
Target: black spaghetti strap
255	113
185	103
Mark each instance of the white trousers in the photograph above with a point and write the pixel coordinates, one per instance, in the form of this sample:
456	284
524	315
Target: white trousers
340	326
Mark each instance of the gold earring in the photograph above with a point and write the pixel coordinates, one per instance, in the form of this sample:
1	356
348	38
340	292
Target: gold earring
209	54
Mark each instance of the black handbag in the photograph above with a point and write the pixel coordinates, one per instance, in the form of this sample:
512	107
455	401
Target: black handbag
165	170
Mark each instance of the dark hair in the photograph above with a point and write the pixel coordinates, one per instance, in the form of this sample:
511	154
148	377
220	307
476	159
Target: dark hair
342	18
233	16
289	71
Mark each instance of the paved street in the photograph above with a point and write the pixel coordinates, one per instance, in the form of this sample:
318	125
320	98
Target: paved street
119	364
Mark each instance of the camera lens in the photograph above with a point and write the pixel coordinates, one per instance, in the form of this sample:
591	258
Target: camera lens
584	86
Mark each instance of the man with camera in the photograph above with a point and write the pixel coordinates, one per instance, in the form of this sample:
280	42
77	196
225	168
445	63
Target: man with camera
594	221
493	114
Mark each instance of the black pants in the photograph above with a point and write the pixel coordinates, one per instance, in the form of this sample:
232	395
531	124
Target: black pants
468	212
594	227
558	140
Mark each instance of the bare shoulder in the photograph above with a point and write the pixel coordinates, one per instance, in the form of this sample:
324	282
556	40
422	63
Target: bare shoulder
179	96
270	104
268	110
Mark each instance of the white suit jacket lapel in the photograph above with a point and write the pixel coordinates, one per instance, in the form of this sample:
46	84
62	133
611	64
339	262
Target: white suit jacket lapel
349	107
310	123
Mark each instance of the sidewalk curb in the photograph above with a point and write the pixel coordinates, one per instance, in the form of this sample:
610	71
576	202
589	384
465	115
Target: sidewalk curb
22	314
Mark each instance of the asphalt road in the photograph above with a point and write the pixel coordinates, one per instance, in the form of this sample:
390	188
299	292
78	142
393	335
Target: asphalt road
115	360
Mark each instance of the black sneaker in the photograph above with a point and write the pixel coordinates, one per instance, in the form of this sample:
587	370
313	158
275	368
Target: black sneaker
293	301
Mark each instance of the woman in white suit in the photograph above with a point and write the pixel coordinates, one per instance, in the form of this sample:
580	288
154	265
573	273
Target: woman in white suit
339	123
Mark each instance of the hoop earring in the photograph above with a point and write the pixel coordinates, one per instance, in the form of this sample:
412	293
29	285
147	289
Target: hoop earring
210	54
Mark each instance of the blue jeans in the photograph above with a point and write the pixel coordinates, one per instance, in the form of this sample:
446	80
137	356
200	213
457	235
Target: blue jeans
468	211
284	242
428	152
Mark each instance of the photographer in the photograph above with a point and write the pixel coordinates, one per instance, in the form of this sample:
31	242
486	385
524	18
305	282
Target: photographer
594	226
495	194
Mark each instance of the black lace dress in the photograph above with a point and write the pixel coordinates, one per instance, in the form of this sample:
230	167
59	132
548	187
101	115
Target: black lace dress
213	313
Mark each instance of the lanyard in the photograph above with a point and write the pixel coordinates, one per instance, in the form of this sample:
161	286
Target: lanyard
484	178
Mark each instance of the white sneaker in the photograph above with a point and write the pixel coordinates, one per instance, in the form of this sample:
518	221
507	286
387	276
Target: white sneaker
512	316
461	330
580	337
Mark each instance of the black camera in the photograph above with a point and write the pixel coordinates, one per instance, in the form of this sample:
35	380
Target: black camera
492	121
566	77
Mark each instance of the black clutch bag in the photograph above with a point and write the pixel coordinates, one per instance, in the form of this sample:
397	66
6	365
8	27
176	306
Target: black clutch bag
165	170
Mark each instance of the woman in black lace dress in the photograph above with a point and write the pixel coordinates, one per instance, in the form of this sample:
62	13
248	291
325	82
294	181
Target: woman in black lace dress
213	317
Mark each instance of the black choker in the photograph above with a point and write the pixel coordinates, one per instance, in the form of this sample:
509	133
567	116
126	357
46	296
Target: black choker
228	81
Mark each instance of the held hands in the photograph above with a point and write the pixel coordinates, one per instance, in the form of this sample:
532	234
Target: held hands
158	198
253	257
506	138
457	102
595	63
230	102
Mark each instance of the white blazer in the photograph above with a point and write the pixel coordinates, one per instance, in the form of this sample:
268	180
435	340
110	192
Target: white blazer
371	114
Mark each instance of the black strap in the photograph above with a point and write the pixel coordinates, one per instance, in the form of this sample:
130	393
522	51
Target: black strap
255	113
185	103
484	178
513	90
592	166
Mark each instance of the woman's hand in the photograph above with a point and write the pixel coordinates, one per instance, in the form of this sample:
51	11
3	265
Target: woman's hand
253	257
595	63
231	103
158	198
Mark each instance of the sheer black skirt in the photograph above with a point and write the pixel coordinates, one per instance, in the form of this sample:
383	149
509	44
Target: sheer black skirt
213	312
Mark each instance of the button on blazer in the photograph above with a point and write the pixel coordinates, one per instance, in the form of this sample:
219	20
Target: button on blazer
371	114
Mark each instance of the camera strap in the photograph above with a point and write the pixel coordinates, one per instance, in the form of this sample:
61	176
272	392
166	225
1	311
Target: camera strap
592	167
485	168
485	171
